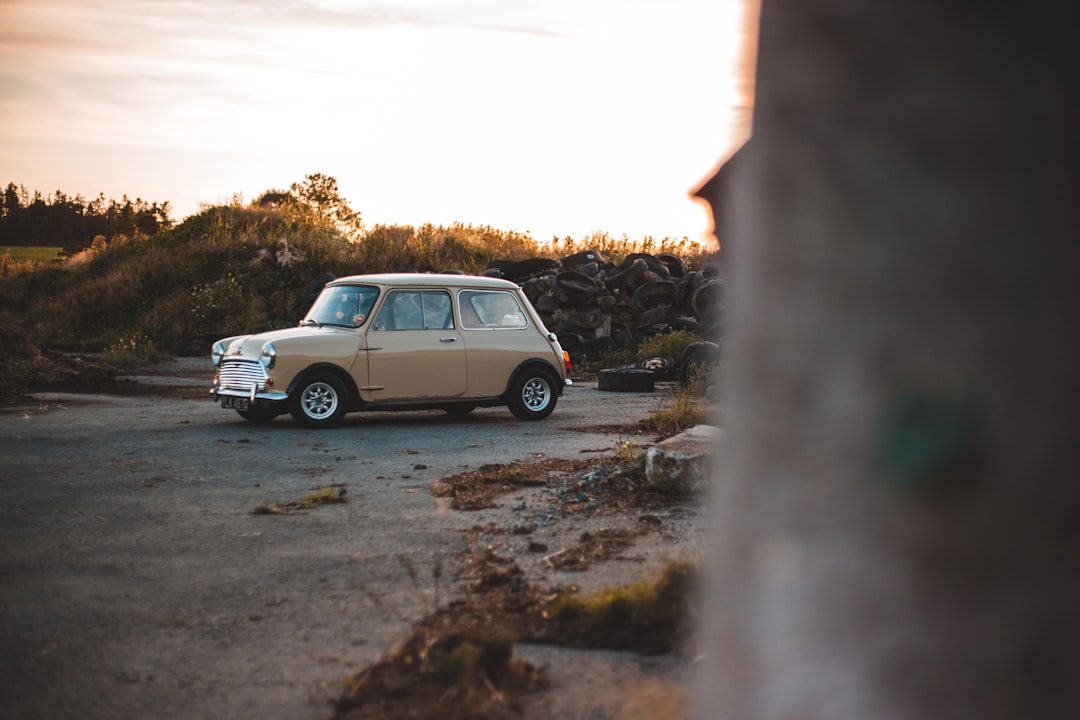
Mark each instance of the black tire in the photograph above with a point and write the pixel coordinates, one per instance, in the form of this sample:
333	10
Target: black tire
626	380
546	304
698	359
676	267
662	367
524	269
495	268
707	296
258	414
459	410
575	287
653	316
533	394
581	258
585	318
654	294
319	401
571	343
651	262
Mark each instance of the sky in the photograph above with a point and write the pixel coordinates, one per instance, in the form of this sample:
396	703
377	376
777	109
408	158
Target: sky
553	117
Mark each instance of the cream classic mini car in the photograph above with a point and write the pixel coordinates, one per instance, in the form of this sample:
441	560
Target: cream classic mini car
397	341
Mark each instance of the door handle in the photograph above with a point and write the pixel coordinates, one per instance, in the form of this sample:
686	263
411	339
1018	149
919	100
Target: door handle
448	339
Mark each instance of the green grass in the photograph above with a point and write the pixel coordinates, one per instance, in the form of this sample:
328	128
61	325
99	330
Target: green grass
31	252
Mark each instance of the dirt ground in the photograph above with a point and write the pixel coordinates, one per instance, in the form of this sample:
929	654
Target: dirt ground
137	580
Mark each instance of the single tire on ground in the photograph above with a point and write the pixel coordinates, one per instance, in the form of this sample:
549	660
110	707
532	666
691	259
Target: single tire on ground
662	367
626	380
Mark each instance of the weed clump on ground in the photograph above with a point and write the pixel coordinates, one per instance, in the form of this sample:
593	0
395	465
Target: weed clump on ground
477	489
316	498
650	617
685	410
452	675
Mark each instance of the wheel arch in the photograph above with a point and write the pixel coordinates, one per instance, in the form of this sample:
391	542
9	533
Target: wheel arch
354	403
534	364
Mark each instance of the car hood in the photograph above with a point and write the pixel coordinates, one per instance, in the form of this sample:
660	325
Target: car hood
252	345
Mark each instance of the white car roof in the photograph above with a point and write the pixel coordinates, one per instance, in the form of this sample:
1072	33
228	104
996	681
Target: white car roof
442	280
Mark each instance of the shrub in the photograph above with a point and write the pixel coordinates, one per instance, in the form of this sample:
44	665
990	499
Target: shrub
133	351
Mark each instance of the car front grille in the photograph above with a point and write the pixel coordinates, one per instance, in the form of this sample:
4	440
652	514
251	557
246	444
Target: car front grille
243	375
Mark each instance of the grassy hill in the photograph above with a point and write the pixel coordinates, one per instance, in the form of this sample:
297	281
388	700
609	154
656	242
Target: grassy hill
236	269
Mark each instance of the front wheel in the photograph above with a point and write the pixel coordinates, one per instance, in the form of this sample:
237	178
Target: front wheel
532	395
319	401
258	414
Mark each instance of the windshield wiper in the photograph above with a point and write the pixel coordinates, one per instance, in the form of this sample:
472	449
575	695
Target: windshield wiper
309	321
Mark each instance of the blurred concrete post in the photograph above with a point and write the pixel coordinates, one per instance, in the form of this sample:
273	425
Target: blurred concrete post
898	530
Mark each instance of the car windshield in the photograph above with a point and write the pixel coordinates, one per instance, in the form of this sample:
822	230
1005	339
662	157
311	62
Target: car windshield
342	305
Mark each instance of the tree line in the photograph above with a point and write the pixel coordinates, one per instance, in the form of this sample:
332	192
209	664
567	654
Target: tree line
73	223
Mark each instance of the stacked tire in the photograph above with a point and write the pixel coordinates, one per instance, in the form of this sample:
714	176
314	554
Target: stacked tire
594	305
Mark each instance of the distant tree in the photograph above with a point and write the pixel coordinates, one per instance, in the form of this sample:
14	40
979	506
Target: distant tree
72	222
320	193
273	198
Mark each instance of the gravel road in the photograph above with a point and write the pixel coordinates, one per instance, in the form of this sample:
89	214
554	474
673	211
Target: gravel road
135	580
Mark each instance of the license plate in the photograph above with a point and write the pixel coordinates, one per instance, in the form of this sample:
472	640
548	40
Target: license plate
235	403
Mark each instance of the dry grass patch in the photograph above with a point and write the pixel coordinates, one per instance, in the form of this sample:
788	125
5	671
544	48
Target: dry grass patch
477	489
335	493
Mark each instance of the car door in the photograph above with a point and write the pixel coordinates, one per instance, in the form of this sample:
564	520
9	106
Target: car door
414	349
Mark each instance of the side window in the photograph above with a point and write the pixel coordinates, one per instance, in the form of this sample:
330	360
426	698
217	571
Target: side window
437	313
415	310
490	309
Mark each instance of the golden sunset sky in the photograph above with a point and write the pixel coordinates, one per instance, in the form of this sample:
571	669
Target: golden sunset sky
556	117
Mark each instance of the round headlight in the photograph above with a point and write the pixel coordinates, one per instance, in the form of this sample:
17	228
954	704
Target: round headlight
268	355
217	351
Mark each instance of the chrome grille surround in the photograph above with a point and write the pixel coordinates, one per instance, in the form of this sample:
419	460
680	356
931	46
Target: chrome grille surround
241	376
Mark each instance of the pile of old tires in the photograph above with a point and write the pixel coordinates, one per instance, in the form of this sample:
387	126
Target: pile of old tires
595	306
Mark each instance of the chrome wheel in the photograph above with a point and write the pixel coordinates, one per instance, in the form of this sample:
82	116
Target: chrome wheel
536	394
319	401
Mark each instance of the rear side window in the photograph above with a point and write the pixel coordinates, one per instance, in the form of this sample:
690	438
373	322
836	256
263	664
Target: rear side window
415	310
490	309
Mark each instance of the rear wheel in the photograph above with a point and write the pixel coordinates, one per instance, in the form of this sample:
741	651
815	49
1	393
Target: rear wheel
533	395
319	401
